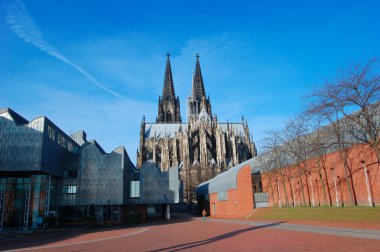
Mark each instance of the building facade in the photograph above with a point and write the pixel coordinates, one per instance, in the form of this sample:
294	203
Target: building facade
234	193
46	174
237	192
326	181
202	146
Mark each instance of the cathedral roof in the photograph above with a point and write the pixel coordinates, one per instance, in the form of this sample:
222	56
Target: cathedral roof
238	128
198	86
162	129
169	129
168	89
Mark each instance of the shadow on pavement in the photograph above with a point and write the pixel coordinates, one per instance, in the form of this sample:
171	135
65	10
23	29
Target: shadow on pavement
38	238
190	245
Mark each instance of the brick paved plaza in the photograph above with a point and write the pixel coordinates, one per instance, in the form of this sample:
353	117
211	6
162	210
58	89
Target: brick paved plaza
193	234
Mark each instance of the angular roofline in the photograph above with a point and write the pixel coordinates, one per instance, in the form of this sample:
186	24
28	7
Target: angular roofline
213	185
17	118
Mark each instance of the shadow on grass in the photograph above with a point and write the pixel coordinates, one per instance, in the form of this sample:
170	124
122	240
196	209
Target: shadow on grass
190	245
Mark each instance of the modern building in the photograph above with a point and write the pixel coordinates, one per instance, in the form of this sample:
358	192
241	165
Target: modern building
338	177
47	174
234	193
203	145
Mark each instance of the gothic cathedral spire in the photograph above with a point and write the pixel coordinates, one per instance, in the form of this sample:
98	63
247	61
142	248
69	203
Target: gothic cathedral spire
198	100
168	104
198	86
168	89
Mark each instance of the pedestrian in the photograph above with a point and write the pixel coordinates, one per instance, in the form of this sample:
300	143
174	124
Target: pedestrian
204	213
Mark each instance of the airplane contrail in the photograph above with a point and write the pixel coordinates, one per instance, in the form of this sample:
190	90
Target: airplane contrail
21	23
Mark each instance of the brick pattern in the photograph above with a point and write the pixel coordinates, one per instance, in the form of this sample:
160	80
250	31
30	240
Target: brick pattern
317	183
239	201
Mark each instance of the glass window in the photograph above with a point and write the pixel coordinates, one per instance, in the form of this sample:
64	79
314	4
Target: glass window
70	189
135	189
62	141
222	196
51	133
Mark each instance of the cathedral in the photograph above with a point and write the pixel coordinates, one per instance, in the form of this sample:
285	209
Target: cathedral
203	147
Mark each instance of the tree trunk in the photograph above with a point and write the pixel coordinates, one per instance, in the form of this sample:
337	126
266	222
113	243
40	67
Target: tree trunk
285	192
348	178
291	191
307	188
302	191
271	188
353	187
377	152
328	186
322	183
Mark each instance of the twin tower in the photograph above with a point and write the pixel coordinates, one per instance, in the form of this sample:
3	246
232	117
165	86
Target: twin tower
168	103
202	147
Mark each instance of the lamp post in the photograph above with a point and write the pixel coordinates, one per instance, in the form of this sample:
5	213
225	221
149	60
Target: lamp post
336	189
369	192
312	190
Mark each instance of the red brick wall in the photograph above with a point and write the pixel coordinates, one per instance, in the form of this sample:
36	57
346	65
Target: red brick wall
239	201
279	188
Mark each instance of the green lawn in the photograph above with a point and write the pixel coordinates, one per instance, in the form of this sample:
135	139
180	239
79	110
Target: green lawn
343	214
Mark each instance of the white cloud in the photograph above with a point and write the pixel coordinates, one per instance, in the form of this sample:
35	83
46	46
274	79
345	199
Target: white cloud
22	24
138	72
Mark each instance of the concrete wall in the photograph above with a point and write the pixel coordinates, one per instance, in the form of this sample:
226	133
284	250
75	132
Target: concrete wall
101	177
158	187
27	147
314	180
239	201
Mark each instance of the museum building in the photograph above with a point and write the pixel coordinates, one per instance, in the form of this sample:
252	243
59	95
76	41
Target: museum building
47	174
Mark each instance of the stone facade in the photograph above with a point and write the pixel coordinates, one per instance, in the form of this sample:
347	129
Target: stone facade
203	146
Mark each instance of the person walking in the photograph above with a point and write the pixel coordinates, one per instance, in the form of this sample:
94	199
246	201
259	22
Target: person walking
204	213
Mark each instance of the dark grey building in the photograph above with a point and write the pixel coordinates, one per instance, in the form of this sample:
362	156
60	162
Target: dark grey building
46	174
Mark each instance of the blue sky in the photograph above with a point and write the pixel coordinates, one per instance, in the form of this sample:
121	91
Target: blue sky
99	65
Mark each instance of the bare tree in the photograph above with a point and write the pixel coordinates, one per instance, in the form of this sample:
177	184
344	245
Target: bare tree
271	171
351	107
352	101
295	146
278	160
336	138
318	146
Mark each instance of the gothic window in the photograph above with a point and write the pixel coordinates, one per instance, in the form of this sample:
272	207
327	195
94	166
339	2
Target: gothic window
168	117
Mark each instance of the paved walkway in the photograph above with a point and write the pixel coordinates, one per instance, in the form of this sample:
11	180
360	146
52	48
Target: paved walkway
188	233
347	232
